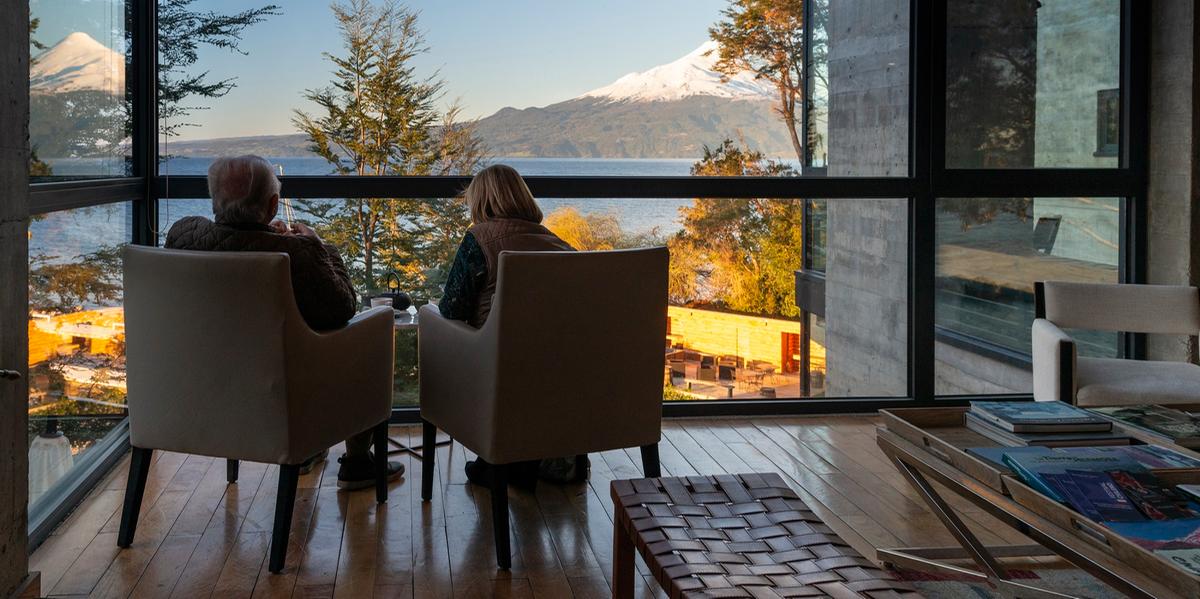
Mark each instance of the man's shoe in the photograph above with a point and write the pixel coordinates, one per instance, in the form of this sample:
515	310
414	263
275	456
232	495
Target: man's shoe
359	472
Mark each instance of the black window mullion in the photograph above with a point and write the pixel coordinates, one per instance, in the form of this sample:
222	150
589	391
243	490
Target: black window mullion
145	118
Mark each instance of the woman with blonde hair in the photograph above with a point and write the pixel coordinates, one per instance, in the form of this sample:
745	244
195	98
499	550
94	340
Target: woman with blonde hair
505	217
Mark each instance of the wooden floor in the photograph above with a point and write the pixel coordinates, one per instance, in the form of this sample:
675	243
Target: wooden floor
199	537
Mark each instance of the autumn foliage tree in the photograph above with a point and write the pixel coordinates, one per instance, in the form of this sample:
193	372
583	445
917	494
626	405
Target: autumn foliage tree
739	254
380	117
766	37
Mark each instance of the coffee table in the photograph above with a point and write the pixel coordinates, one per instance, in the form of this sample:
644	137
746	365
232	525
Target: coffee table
926	445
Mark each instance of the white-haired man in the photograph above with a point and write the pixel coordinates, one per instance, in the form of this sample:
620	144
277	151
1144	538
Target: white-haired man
245	198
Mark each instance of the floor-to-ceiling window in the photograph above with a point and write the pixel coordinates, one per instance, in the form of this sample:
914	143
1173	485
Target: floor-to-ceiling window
857	194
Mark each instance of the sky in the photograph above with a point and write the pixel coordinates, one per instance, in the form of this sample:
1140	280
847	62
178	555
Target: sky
490	53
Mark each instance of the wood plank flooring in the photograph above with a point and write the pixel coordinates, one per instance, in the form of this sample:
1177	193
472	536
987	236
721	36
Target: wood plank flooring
199	537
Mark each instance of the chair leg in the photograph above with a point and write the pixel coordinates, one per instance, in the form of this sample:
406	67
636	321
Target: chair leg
285	501
135	487
231	470
381	462
581	467
500	515
428	455
650	461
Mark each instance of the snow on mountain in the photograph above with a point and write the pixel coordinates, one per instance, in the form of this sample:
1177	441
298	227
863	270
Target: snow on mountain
78	62
691	75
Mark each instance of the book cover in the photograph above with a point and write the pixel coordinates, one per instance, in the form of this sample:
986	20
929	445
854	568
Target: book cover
1105	496
1181	427
994	456
1029	466
1150	497
1066	487
1153	457
1159	535
1045	416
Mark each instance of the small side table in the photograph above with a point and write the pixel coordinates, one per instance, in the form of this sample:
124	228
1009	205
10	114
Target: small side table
407	321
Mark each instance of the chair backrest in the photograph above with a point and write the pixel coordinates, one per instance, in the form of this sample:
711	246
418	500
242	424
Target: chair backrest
579	346
1167	309
205	334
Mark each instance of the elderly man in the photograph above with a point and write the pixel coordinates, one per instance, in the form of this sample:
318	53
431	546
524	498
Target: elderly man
245	197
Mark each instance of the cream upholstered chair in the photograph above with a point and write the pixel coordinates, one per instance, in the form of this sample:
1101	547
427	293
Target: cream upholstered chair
220	363
1059	374
569	362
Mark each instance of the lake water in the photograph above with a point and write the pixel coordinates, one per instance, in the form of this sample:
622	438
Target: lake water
70	233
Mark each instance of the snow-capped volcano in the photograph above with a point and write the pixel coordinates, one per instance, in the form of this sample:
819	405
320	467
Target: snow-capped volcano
78	62
691	75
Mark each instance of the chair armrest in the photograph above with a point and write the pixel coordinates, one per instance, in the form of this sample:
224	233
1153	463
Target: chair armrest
457	374
340	382
1054	356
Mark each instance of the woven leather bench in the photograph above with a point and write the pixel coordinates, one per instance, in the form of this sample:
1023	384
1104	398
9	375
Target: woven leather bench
743	535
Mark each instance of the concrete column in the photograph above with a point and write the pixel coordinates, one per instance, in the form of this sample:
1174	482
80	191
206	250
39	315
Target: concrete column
14	304
866	285
1174	221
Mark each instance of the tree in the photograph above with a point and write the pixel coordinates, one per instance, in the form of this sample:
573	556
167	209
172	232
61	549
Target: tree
37	168
737	253
57	286
182	30
766	37
586	232
379	117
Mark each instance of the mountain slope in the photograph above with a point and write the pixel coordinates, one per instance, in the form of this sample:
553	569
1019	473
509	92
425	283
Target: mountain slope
668	111
78	63
691	75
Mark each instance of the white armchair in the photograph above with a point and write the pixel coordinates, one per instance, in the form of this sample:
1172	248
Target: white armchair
221	363
569	362
1060	374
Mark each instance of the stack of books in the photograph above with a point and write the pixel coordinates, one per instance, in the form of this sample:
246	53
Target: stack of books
1047	424
1117	488
1181	428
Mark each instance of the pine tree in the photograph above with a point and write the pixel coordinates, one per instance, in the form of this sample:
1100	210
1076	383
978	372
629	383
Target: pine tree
378	118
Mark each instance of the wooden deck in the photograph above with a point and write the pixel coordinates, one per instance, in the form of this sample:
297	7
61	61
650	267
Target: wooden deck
199	537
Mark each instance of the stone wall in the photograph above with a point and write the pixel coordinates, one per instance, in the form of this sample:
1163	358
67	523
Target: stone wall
866	288
14	305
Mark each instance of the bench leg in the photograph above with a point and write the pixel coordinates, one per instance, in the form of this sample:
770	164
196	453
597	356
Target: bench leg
623	572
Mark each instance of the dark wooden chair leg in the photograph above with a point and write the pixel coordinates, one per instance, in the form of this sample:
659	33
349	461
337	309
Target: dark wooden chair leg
428	454
231	470
381	462
285	501
650	465
581	467
500	515
135	487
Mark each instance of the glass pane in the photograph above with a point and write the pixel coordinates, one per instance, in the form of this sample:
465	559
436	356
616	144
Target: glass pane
76	338
555	98
818	86
735	329
79	105
1033	84
990	252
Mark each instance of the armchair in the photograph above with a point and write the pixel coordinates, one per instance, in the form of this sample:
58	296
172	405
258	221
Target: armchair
1060	374
221	363
514	389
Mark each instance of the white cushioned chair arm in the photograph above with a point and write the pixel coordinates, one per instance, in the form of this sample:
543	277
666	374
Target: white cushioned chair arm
1054	356
340	379
457	374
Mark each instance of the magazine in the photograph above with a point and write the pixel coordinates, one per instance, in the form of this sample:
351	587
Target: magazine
1182	428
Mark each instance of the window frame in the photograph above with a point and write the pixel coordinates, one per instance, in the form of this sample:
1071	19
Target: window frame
927	179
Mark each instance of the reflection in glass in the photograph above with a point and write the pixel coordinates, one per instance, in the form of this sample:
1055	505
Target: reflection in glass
76	337
990	252
1031	84
79	104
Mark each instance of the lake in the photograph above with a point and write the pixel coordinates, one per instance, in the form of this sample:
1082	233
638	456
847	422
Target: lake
71	233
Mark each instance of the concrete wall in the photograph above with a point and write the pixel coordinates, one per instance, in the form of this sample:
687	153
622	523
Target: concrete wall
1174	227
14	304
866	285
1078	54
